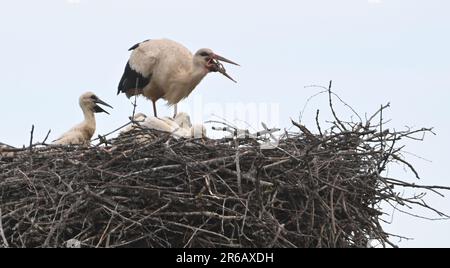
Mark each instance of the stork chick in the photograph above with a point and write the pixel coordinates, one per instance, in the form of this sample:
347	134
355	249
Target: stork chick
82	133
183	120
179	127
165	69
6	150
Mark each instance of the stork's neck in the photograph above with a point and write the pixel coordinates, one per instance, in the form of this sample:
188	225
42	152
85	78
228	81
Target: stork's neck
184	82
89	117
196	74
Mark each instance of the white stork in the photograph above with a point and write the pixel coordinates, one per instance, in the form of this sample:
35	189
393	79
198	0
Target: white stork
82	133
165	69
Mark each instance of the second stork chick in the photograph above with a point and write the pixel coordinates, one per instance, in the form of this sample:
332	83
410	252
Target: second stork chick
82	133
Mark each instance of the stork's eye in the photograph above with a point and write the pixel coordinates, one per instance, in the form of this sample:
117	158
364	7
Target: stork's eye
93	97
204	54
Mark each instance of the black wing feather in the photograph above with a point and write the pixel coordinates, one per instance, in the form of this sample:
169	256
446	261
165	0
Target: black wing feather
137	45
132	79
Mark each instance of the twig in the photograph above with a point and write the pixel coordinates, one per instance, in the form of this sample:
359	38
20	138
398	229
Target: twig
2	233
408	164
332	109
318	124
114	131
308	133
238	168
31	139
46	137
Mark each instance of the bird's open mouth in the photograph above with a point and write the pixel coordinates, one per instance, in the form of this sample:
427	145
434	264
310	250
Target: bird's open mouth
99	109
214	65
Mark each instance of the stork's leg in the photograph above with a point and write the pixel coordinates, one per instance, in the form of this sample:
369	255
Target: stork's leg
154	108
175	110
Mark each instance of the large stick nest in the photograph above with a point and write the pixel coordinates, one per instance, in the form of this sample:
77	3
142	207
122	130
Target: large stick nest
312	190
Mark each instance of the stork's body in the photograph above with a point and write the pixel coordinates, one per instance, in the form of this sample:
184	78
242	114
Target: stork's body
165	69
82	133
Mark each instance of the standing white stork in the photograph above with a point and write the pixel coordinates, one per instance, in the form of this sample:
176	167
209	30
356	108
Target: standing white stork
82	133
165	69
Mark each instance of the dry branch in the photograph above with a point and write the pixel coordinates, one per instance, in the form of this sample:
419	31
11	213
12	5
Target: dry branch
311	191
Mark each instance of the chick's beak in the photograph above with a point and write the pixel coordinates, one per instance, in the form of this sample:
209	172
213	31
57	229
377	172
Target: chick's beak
99	109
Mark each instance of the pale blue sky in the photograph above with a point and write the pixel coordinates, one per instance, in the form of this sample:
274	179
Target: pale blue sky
376	51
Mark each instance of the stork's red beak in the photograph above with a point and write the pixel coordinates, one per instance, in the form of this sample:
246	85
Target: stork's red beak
219	67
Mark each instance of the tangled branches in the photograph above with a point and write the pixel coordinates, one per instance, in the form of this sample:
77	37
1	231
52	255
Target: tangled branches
310	191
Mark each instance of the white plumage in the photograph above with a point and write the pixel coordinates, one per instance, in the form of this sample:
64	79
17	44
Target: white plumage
6	150
82	133
183	120
179	127
166	69
5	146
